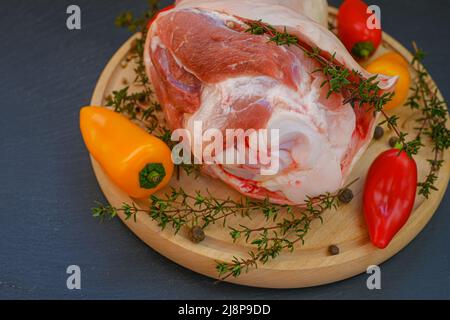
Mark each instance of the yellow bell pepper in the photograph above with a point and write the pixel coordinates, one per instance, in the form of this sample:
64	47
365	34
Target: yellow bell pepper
393	64
137	162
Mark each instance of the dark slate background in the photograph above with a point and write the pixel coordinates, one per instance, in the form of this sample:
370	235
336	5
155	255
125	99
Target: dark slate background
48	187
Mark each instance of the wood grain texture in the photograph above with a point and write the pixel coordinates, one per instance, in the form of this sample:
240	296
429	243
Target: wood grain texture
310	265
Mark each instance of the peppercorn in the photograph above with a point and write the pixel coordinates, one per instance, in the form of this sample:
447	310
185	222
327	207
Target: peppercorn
142	98
393	142
379	133
346	196
196	234
333	250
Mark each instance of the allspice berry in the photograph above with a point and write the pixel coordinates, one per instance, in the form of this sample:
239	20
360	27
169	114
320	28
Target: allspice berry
196	234
346	196
379	133
393	142
333	250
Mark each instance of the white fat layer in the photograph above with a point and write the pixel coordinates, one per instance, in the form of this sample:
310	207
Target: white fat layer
314	159
156	43
313	139
297	185
219	16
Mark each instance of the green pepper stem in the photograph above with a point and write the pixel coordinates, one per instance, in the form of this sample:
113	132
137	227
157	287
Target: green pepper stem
363	49
151	175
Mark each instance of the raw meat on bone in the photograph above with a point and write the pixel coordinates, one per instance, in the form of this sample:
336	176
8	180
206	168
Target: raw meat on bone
204	66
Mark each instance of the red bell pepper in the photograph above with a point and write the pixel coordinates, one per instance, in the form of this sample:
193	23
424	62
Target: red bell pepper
159	12
389	195
353	31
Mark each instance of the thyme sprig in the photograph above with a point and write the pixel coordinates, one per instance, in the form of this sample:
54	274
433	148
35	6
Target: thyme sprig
433	120
108	212
180	209
282	235
141	105
137	24
298	218
197	209
134	104
356	90
164	218
203	209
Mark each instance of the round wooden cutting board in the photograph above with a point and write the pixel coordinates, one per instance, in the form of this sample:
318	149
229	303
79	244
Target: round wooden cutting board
310	264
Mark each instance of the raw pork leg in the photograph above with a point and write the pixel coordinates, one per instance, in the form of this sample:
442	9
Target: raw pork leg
204	66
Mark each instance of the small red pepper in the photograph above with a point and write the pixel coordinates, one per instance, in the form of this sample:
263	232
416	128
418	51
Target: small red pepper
353	31
389	195
159	12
